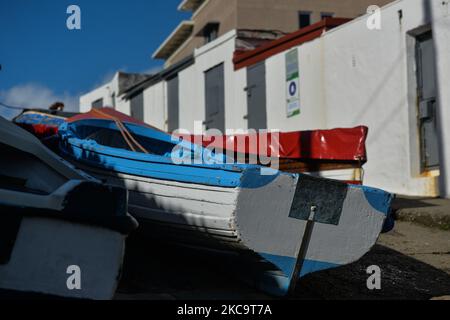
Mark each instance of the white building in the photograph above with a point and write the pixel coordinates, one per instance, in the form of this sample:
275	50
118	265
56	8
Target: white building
393	80
111	93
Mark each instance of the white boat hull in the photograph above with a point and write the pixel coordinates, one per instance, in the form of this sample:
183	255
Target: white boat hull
256	220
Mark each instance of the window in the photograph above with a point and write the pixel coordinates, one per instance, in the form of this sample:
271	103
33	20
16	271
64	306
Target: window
113	97
304	18
173	104
211	32
325	15
137	107
97	104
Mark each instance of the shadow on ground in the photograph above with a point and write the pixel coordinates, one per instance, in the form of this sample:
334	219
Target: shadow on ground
410	202
168	272
402	278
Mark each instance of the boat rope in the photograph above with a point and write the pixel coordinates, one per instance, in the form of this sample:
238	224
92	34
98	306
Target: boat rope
122	129
127	133
128	137
128	142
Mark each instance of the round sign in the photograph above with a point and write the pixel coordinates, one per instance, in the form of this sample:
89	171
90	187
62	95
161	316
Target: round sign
292	88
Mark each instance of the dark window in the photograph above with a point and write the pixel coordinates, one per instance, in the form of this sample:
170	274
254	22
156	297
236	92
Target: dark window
256	96
173	104
215	98
97	104
427	95
304	18
325	15
114	100
211	32
137	107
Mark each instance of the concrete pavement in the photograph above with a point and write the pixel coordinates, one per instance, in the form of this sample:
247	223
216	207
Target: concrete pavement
430	212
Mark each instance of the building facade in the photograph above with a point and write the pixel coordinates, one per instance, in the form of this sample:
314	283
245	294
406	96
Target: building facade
349	75
392	79
111	94
214	18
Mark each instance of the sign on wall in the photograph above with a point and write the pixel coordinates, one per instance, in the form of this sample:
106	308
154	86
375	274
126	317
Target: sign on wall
292	84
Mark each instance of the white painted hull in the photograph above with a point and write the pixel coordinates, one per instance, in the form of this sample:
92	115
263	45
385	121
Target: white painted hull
254	219
45	248
293	223
204	214
257	221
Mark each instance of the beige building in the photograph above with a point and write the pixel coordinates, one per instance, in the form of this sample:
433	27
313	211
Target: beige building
214	18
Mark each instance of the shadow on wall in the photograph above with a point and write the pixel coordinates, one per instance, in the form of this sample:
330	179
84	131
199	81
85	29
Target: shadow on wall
443	187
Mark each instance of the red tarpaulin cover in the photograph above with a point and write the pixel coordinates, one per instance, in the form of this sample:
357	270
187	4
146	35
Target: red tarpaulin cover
335	144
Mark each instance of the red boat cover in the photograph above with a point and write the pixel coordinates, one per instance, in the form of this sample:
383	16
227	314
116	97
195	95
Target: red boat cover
106	114
335	144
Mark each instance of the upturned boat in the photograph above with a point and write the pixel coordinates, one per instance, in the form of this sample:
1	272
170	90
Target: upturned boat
62	232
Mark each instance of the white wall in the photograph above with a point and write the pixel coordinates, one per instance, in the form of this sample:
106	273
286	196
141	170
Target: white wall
155	106
348	77
189	101
312	107
192	88
109	93
367	83
102	92
192	85
123	105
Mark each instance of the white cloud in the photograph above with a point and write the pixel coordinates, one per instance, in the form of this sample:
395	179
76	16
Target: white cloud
35	96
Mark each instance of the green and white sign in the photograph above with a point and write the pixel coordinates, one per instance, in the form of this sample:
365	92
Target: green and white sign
292	84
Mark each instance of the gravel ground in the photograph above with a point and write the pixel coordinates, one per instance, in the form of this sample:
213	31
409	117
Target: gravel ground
415	264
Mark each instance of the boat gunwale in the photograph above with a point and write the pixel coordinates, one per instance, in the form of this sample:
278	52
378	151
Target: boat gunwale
67	135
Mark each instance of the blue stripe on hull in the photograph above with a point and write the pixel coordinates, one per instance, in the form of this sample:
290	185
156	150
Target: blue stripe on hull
158	166
163	171
380	200
278	284
310	266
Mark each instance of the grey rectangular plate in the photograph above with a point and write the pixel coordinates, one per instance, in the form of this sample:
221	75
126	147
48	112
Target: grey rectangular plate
327	196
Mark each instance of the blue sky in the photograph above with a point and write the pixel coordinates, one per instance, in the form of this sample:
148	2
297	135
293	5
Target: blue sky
42	60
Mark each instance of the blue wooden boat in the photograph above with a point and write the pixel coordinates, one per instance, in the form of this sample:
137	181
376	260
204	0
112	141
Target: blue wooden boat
55	219
294	224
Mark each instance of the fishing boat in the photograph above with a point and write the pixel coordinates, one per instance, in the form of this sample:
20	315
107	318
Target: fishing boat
293	224
62	232
43	124
337	154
